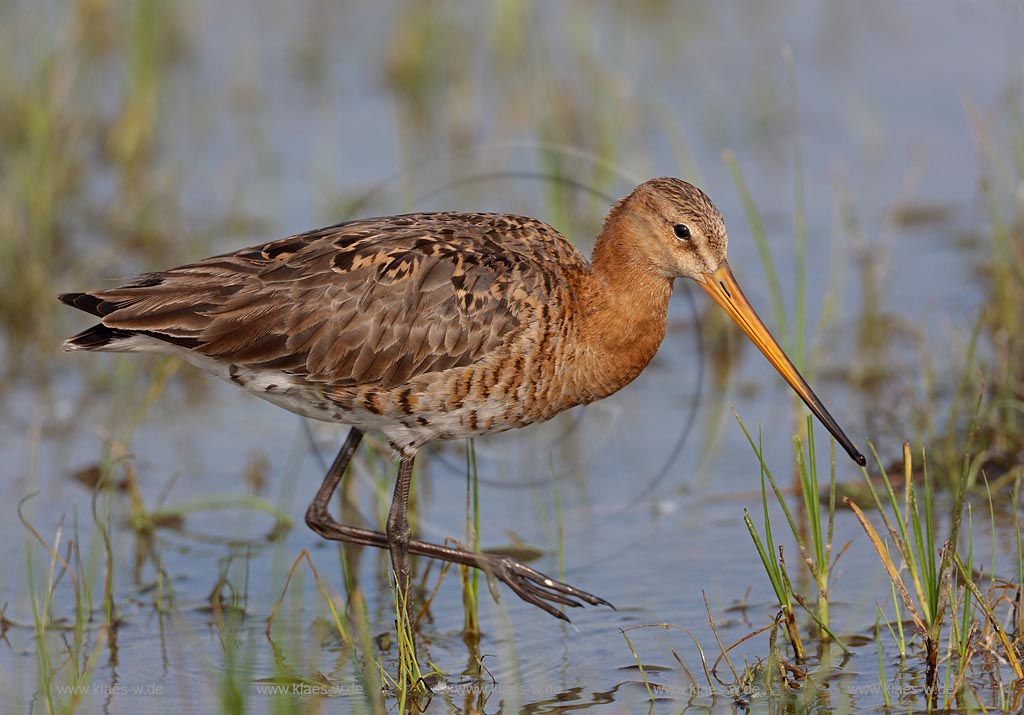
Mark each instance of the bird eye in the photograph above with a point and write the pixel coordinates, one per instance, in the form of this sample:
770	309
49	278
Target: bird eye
682	231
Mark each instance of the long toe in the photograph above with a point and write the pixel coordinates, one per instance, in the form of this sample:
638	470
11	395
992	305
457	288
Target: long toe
539	589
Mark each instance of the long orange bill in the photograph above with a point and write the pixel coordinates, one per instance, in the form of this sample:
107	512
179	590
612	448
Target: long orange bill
721	285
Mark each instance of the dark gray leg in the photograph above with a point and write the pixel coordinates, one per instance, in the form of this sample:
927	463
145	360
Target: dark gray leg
317	516
398	531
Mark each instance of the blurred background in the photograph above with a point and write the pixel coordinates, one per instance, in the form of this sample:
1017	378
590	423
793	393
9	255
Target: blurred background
867	158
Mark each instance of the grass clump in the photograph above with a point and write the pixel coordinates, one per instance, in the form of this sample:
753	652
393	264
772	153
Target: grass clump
937	587
814	544
912	533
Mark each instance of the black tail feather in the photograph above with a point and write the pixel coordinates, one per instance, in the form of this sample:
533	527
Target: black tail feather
82	301
100	336
97	337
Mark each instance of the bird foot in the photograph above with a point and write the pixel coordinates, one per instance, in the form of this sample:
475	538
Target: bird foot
533	586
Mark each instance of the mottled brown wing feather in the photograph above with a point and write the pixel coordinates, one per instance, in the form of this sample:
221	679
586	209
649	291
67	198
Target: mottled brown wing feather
374	301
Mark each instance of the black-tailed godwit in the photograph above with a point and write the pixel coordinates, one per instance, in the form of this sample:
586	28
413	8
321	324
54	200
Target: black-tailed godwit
438	326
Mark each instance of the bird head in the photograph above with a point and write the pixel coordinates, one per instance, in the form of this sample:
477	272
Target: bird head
683	236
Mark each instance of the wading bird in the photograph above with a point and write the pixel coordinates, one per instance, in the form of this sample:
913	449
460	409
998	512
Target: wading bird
438	326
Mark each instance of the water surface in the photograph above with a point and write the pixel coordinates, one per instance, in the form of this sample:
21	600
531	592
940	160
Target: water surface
272	120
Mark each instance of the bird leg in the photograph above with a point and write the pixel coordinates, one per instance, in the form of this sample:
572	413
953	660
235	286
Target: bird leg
317	514
398	531
529	584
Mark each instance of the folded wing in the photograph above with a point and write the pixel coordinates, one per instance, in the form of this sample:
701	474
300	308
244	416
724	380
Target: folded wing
375	301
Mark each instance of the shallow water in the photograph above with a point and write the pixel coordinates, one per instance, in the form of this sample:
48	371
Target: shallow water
286	118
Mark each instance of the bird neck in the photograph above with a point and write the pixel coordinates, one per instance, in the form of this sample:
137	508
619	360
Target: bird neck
626	308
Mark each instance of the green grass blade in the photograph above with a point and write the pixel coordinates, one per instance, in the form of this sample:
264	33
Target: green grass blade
768	560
